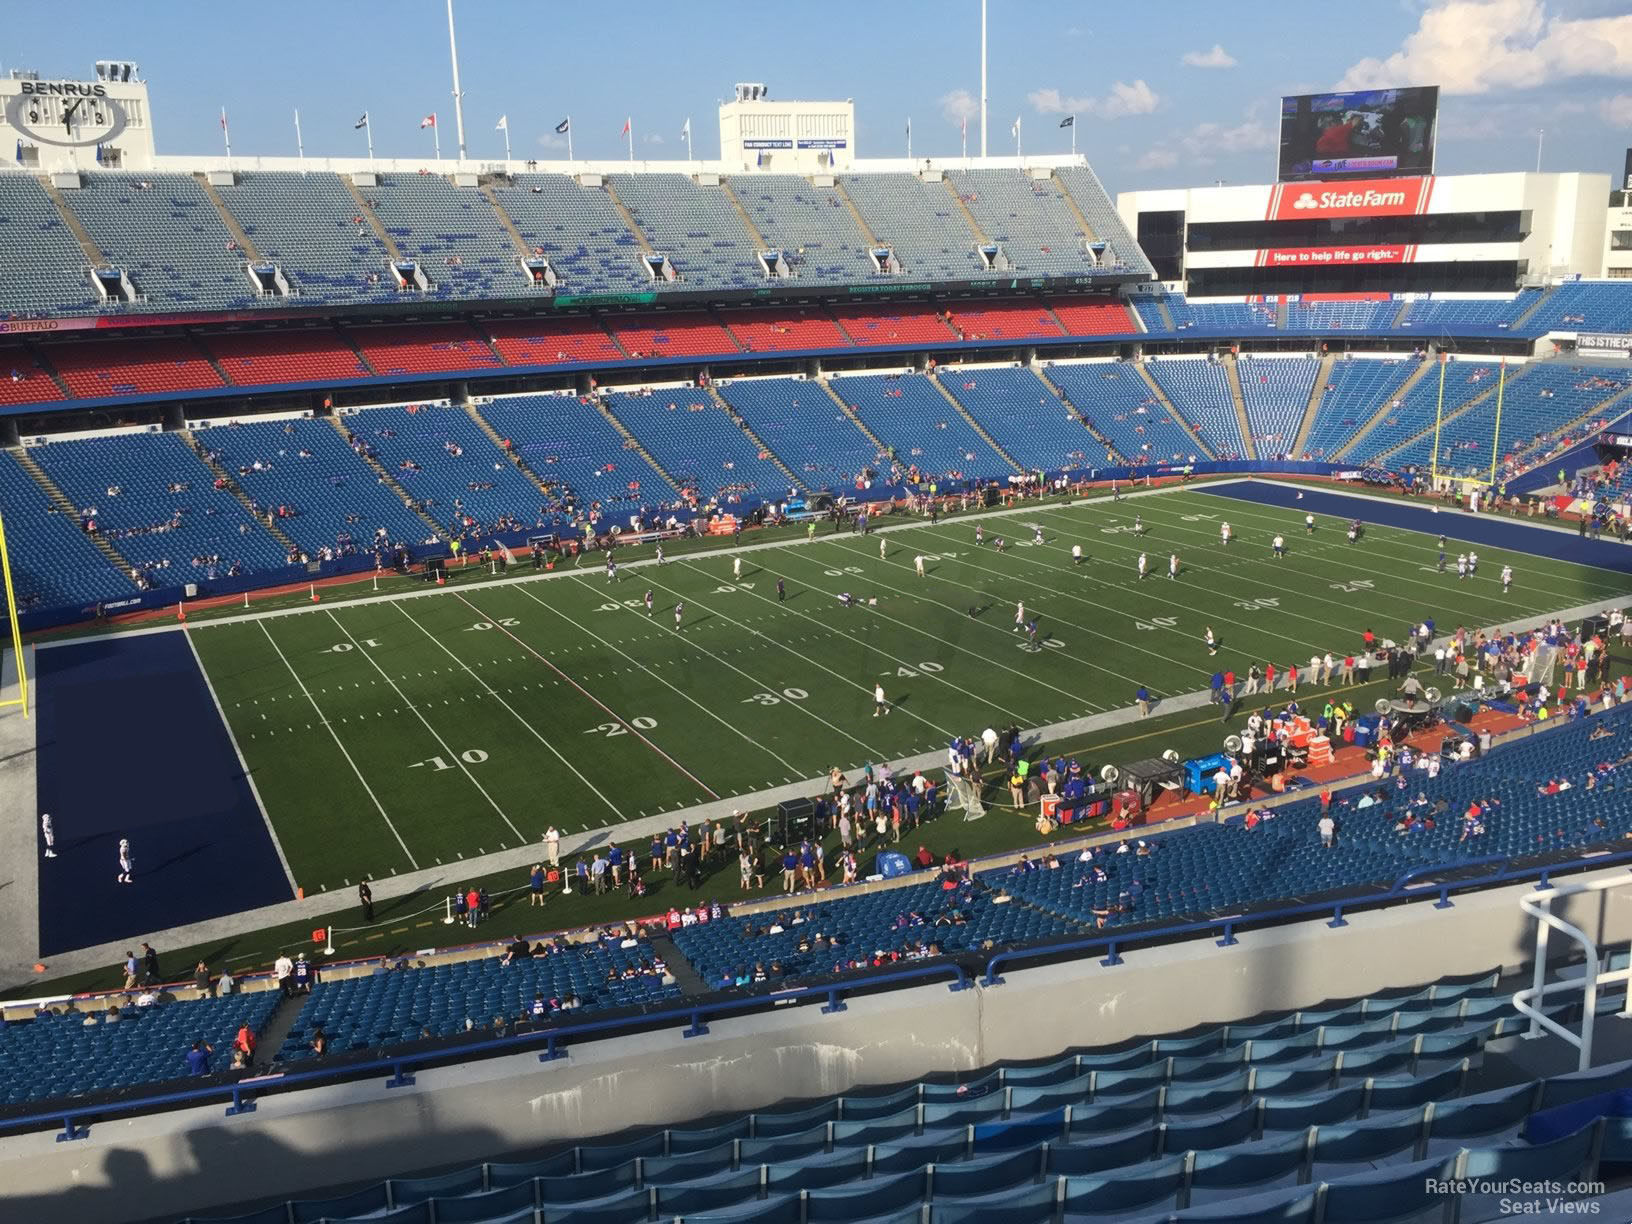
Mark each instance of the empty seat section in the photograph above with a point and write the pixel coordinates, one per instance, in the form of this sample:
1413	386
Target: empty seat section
680	334
1094	316
563	438
310	226
910	415
1577	306
698	228
1122	253
1028	218
42	268
1435	316
53	562
810	225
452	469
696	442
24	378
1275	391
537	342
105	369
921	223
157	504
1341	315
801	423
334	502
578	229
1356	389
453	233
1419	406
1025	416
1199	391
1020	321
894	326
423	348
254	359
1120	405
773	330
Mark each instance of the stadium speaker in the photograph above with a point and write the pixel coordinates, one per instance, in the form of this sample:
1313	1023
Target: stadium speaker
795	819
1462	712
1593	626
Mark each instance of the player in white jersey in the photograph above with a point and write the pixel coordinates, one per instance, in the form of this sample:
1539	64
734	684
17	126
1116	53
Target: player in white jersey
1473	563
880	706
1507	578
1172	566
736	567
1019	616
1037	533
1212	641
918	565
1138	525
1461	566
1309	523
883	547
1279	545
1144	564
126	861
1224	533
48	831
679	612
1076	554
660	554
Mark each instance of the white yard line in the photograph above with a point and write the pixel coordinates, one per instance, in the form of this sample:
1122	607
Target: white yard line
329	727
238	752
737	731
492	692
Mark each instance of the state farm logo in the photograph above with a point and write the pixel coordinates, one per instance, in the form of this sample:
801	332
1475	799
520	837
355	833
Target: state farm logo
1350	199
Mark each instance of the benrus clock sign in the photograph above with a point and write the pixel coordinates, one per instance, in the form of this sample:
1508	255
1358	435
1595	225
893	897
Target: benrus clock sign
75	122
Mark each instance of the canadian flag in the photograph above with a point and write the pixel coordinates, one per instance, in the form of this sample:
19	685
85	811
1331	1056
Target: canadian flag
428	121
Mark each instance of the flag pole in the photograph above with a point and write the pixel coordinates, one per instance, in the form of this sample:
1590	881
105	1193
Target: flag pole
570	157
368	132
964	126
300	145
458	97
688	138
1073	135
629	131
436	132
507	138
226	136
983	78
909	138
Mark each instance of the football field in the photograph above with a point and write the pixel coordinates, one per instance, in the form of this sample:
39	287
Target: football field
392	735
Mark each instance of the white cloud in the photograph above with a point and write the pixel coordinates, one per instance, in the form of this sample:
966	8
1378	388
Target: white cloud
1124	99
652	138
1215	58
959	106
549	140
1475	46
1205	142
1617	110
1157	159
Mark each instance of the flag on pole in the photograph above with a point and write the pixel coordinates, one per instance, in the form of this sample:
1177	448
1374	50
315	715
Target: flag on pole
1069	121
361	123
685	130
565	126
223	118
428	121
503	125
1015	129
625	131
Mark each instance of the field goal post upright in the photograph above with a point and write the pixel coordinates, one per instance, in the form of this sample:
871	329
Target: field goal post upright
16	629
1439	419
1496	434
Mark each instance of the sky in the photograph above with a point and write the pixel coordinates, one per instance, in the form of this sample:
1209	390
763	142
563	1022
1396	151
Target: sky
1166	94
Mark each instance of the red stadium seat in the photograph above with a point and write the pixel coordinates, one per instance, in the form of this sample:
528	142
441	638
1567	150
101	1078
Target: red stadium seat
22	381
768	331
424	348
263	358
1006	321
536	342
872	325
693	334
1094	316
104	369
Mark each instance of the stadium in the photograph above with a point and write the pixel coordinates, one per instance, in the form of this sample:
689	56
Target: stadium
795	686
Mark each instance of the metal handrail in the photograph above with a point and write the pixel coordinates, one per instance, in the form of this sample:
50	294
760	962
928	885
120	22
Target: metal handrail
1539	905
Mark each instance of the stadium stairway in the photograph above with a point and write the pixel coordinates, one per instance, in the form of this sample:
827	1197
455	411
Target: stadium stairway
628	219
1322	376
974	424
963	208
290	548
1487	396
743	215
390	482
1076	209
1523	321
523	251
43	361
509	452
855	418
1233	374
1042	373
1167	404
1280	315
1398	321
632	442
855	214
1383	409
245	246
365	211
1164	312
741	423
67	508
76	227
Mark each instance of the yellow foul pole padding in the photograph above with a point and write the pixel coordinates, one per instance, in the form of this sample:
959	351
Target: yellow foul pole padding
1496	439
16	630
1439	419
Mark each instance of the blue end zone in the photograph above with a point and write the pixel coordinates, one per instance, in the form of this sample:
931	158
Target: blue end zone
1491	530
131	745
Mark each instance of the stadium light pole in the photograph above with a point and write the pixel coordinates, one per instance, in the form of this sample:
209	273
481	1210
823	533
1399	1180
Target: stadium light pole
983	78
458	97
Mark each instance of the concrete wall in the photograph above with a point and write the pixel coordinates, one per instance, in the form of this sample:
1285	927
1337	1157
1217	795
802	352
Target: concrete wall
307	1144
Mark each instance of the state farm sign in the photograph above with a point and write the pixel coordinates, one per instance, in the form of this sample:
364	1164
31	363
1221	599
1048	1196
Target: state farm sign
1366	198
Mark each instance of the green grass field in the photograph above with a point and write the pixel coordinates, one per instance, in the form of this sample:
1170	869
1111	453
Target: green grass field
389	735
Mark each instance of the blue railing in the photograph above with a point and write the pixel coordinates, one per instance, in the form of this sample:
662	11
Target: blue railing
240	1093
